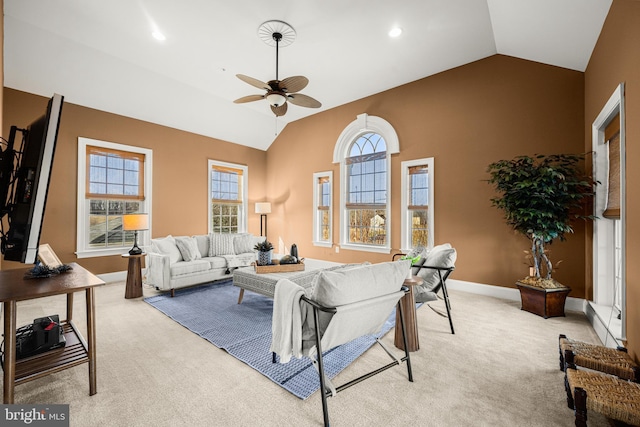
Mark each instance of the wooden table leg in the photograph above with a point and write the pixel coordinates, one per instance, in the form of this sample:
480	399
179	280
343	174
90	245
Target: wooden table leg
9	350
91	340
241	295
69	306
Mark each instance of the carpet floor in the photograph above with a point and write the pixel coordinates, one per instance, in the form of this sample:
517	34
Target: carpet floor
244	331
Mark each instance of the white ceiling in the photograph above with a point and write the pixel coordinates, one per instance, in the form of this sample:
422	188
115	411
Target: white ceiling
101	54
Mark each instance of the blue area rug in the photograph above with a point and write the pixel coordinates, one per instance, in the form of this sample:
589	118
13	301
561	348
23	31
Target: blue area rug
244	331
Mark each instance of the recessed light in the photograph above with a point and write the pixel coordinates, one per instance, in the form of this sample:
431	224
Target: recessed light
395	32
158	35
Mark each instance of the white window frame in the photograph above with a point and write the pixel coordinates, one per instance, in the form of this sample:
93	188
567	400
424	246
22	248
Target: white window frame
242	219
82	231
405	225
317	230
604	263
361	125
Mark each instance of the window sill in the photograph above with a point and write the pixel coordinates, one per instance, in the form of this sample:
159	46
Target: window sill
323	244
102	252
365	248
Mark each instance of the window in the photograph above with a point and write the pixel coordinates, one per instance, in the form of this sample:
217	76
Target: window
228	197
364	152
417	204
609	230
113	180
322	200
367	191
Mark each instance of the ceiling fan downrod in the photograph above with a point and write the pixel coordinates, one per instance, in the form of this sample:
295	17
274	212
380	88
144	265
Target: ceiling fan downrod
277	37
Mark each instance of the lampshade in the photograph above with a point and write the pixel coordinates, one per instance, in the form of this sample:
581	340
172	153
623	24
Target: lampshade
135	222
276	100
263	208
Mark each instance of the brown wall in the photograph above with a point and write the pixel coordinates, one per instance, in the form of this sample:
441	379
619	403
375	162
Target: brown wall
179	173
614	60
465	118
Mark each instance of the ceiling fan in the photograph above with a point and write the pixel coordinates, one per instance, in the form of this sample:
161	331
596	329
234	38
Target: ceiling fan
279	92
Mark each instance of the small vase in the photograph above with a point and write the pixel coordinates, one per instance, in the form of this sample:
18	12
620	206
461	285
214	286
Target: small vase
264	258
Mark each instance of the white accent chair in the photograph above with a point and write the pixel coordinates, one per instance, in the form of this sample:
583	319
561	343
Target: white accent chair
342	305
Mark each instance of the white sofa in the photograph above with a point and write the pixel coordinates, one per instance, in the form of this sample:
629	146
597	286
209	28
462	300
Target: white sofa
176	262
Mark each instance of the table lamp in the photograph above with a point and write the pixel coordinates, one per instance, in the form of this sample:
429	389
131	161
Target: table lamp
135	222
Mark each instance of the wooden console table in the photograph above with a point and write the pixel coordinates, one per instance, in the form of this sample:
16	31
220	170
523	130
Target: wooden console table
15	287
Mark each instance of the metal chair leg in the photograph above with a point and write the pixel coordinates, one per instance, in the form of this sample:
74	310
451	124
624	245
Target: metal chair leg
447	304
323	392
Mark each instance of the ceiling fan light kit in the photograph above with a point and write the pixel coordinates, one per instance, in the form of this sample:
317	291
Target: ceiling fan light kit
276	99
279	33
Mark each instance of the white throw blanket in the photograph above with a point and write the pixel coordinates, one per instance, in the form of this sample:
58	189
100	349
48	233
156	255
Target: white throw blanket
233	261
287	320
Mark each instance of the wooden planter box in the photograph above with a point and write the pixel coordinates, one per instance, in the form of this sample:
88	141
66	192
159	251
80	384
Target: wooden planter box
543	302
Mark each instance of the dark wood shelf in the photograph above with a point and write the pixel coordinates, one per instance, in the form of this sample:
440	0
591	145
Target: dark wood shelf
75	352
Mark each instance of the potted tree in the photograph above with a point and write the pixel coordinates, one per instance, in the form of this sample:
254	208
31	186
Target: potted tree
541	196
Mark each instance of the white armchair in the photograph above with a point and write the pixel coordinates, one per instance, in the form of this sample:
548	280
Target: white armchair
343	305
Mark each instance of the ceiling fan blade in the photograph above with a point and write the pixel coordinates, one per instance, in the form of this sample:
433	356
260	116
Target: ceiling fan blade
303	100
249	98
279	111
293	84
253	82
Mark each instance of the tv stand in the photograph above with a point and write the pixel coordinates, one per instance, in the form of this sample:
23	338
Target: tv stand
14	287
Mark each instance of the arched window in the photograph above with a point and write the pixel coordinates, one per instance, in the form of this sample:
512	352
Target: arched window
364	151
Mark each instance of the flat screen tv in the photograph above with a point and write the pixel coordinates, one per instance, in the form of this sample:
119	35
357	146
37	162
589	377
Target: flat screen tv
27	185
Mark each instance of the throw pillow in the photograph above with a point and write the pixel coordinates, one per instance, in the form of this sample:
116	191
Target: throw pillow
168	246
221	244
440	256
188	248
243	243
203	244
339	287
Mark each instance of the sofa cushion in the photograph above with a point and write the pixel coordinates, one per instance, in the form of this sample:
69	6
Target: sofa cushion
216	261
189	267
221	244
345	286
168	246
243	243
202	241
188	248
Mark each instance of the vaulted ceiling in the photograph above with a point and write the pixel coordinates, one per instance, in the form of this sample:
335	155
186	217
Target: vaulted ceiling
103	55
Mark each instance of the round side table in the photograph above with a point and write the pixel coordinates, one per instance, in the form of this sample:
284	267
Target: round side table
134	276
408	302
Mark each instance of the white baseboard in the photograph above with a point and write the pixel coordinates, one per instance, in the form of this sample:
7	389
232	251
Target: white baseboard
116	276
571	304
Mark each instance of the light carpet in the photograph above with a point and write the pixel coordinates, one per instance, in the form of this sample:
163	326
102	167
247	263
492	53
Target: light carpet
244	331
